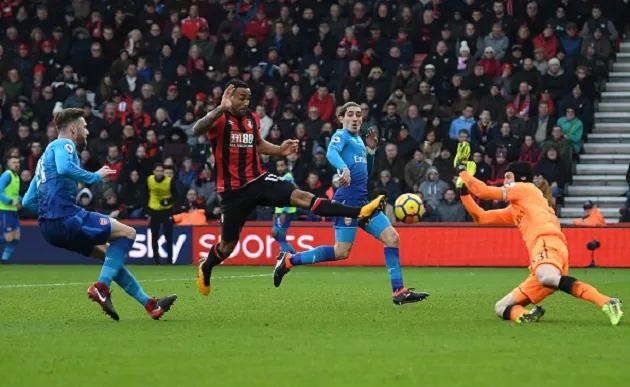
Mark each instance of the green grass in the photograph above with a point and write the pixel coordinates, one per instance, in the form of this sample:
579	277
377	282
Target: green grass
323	327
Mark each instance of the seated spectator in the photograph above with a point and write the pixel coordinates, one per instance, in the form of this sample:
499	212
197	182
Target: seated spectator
561	142
584	109
111	207
497	168
483	169
132	195
314	185
386	186
525	102
391	162
416	170
544	187
451	208
506	141
554	170
540	63
431	146
547	41
518	126
540	126
433	188
484	130
490	63
592	216
530	151
444	164
415	123
406	144
572	128
465	121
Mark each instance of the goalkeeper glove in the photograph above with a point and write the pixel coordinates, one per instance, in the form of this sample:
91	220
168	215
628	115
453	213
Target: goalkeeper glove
462	155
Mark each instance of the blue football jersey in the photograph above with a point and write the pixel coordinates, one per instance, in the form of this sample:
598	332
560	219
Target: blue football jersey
54	187
354	154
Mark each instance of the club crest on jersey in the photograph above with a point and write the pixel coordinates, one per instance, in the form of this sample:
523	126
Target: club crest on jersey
103	221
249	123
241	140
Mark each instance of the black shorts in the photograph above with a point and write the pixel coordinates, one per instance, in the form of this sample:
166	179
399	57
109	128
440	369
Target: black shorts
268	191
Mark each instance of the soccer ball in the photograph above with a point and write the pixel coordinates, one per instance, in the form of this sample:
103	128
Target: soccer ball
409	208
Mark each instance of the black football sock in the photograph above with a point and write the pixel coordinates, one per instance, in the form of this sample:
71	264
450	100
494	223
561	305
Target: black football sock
215	257
325	207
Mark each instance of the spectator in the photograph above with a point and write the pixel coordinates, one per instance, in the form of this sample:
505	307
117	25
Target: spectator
391	162
426	102
406	144
451	208
497	168
465	122
547	41
530	151
415	123
506	141
431	146
444	164
324	103
483	169
561	142
518	125
525	103
592	216
497	41
599	21
131	194
572	128
545	188
433	188
490	63
416	170
555	81
314	185
554	170
583	106
540	126
386	186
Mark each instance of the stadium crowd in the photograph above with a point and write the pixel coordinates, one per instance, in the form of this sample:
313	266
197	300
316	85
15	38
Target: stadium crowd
517	79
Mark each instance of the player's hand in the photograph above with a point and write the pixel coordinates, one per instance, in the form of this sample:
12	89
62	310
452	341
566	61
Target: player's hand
226	102
15	203
105	171
344	179
371	140
462	155
289	147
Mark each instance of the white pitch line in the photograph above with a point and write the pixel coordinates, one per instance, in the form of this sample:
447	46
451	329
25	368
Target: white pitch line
17	286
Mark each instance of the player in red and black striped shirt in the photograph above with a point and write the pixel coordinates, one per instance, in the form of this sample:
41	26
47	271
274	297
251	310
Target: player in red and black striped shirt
243	183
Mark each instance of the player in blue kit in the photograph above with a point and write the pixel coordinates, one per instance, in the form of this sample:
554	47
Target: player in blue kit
353	161
284	215
66	225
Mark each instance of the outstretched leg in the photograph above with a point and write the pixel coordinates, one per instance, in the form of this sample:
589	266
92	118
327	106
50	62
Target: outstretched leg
326	207
551	277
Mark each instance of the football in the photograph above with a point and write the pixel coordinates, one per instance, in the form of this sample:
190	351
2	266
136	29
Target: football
409	208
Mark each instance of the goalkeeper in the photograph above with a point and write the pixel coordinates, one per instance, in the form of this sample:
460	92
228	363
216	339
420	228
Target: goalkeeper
349	155
546	244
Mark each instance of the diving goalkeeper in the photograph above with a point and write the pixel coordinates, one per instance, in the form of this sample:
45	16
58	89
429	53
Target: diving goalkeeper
547	245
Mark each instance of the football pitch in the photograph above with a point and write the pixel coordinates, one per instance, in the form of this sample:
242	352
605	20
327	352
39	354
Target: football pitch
322	327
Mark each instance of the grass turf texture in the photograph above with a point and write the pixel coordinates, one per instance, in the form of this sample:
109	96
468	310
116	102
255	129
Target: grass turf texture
322	327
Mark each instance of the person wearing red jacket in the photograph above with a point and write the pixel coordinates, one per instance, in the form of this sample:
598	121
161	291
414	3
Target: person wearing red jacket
138	118
259	27
548	41
324	102
192	24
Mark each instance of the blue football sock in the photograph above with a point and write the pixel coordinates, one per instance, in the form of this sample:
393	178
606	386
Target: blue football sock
8	251
130	284
284	245
318	254
115	258
392	261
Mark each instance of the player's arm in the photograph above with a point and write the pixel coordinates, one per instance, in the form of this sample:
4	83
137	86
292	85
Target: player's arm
66	166
333	154
266	148
211	121
30	201
5	179
492	217
481	190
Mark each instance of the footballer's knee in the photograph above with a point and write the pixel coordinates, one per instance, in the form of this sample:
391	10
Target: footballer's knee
548	276
226	248
499	308
274	234
342	251
390	237
120	230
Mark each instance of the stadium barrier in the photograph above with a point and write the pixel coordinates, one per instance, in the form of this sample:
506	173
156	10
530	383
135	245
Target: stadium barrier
433	244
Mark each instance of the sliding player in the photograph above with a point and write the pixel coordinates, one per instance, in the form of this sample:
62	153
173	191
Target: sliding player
66	225
547	245
349	155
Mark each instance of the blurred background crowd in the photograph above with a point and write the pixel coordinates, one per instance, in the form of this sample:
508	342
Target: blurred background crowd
517	79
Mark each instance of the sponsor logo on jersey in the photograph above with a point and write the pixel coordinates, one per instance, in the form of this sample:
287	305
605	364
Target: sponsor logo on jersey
241	140
360	159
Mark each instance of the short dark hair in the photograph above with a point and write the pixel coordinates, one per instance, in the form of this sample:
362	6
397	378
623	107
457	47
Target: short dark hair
238	84
347	106
281	160
157	165
67	116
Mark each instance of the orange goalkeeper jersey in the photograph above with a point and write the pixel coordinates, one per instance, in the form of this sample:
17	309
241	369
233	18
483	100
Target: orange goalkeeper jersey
528	209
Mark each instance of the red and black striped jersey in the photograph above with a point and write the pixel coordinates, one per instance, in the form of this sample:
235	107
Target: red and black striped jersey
233	142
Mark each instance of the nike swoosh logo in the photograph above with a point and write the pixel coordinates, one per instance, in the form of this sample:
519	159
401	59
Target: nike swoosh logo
100	297
158	309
